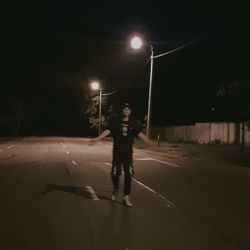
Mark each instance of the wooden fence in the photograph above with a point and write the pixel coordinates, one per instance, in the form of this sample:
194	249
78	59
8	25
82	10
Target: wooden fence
219	132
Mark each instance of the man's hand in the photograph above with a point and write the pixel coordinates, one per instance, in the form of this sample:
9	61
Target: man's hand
104	134
92	142
153	147
146	140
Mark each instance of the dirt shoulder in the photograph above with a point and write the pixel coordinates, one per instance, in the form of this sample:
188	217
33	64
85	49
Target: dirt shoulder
229	154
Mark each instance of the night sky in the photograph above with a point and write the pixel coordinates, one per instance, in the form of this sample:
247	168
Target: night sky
50	51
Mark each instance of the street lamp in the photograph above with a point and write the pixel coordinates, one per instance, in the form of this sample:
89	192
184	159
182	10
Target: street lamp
95	85
136	43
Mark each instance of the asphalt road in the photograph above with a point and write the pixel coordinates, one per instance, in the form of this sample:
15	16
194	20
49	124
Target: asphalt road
55	195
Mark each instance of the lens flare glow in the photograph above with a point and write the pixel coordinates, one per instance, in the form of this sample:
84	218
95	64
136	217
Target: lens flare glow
136	42
95	85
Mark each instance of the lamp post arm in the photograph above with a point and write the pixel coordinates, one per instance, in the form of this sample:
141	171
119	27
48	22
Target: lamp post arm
150	91
181	47
100	111
111	93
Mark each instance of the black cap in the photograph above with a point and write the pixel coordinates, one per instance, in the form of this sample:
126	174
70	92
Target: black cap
125	105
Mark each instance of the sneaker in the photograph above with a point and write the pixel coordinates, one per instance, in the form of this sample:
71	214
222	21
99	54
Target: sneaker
126	201
114	194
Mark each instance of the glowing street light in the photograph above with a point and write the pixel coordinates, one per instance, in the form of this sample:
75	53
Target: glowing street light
95	85
136	43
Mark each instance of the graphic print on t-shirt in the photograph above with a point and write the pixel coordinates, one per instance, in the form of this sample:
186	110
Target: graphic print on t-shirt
124	129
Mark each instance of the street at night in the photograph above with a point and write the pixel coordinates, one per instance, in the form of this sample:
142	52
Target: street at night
125	125
56	194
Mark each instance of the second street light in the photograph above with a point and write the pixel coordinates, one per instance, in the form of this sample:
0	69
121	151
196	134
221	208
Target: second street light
95	85
136	43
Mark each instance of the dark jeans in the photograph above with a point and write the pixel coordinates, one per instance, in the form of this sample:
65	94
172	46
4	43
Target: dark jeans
125	159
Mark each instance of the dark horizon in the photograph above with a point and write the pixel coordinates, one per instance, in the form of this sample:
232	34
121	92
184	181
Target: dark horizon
51	51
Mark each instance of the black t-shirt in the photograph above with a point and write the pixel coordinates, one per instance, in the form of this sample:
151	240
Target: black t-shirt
123	133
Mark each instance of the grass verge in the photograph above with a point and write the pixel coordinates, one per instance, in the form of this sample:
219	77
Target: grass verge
230	153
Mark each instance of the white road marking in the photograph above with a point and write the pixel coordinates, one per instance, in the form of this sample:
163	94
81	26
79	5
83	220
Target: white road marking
67	152
108	146
11	146
141	184
98	162
165	162
74	163
170	203
92	193
153	159
94	162
62	145
143	159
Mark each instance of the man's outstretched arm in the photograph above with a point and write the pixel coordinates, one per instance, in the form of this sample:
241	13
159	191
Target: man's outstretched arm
146	140
104	134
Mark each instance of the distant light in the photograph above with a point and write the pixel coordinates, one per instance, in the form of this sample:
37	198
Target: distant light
136	42
95	85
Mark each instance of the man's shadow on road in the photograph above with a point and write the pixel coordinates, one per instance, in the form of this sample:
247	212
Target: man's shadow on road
114	233
115	230
79	191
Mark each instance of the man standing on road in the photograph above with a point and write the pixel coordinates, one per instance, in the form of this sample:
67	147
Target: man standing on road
123	130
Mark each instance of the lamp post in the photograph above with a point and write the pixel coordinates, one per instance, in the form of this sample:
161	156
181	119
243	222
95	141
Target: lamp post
136	43
95	85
